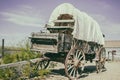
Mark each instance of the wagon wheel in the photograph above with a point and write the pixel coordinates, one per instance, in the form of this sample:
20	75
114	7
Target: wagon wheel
43	64
100	64
74	63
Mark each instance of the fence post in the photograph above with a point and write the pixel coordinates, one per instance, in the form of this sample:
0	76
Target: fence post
2	47
108	55
113	53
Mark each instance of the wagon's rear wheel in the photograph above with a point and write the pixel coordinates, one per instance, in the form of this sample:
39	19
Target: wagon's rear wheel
100	64
74	63
43	64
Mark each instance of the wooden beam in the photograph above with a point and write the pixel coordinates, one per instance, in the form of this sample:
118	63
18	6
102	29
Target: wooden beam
61	21
60	27
2	47
21	63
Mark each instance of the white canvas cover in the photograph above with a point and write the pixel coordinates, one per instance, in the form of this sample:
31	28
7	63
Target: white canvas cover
85	27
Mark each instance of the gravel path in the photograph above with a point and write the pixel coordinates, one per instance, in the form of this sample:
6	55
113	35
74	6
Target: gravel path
112	72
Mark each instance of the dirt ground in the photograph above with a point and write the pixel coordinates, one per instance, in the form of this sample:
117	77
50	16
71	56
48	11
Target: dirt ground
112	72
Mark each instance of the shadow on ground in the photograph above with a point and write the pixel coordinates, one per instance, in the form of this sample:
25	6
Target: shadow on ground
88	69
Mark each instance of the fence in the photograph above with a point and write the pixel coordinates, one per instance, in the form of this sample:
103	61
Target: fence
3	50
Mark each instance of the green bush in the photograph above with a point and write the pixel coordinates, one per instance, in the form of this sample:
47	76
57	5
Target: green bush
27	71
8	58
31	72
24	54
9	74
43	72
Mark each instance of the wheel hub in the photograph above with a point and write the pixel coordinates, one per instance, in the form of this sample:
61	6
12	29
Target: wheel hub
76	62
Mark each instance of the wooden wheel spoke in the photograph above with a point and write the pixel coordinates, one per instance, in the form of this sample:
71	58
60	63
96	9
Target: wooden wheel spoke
70	67
100	65
77	74
82	67
73	63
81	57
43	64
74	73
79	54
71	72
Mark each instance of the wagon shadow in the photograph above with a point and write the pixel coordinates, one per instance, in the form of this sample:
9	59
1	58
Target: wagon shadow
58	72
88	69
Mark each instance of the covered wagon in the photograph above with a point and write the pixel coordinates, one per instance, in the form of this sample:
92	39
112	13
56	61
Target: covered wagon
72	37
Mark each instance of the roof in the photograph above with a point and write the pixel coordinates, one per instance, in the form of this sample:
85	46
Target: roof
85	27
112	44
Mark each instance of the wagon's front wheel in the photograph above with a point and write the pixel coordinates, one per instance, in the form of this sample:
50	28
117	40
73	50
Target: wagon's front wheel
74	63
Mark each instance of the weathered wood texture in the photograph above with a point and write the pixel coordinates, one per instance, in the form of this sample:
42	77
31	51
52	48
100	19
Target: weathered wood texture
2	47
21	63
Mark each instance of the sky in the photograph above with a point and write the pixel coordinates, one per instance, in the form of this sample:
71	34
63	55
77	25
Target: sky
19	18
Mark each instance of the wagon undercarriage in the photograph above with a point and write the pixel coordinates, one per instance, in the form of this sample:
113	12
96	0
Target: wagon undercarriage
75	57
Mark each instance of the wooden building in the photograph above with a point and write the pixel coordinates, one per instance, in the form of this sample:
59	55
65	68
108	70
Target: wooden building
113	45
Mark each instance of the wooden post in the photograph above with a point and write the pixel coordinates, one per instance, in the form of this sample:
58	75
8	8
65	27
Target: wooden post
2	47
112	56
108	55
113	53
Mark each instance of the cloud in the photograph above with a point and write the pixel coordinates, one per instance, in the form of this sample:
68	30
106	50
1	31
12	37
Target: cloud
24	16
13	39
26	7
114	28
99	17
23	20
108	27
104	4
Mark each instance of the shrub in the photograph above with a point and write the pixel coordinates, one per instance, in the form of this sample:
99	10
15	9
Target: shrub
43	72
31	72
27	71
24	54
9	74
8	58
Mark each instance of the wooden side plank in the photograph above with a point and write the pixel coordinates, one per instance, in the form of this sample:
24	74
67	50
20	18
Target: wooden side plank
64	21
